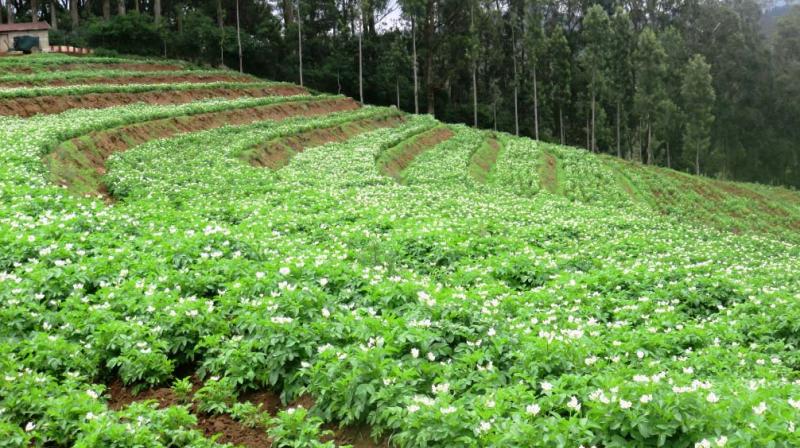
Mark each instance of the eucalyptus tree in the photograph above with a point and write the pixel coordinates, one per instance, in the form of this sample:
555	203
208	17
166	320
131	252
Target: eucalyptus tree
596	35
621	70
698	99
650	70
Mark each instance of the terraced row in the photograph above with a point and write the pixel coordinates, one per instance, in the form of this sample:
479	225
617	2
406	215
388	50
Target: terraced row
529	168
99	77
29	102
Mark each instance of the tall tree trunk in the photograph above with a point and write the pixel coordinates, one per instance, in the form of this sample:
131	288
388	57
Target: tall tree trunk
697	160
649	143
239	38
474	94
429	30
157	11
35	10
669	160
535	105
221	25
121	7
588	133
494	115
106	10
619	136
594	105
397	90
53	15
561	122
137	6
288	12
10	11
474	72
361	60
514	59
300	41
414	57
73	13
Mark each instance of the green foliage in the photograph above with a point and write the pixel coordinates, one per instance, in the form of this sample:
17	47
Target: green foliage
216	396
250	415
127	34
295	428
182	388
698	100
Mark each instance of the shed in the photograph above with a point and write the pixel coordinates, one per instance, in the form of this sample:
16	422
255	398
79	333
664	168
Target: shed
11	30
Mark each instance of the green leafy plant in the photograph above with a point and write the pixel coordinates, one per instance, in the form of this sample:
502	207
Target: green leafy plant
216	396
295	428
182	388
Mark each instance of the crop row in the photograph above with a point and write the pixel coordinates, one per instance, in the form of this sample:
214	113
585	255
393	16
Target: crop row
92	76
35	61
31	92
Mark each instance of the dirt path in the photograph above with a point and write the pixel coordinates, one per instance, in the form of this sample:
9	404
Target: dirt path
277	153
27	107
79	163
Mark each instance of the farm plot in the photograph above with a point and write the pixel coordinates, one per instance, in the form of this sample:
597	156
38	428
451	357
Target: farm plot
325	300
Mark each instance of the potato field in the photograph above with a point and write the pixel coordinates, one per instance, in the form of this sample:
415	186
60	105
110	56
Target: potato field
199	258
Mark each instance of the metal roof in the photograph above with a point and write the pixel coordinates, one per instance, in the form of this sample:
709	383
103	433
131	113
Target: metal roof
29	26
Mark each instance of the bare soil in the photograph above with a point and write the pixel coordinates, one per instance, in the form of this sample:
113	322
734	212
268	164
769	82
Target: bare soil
188	77
275	154
81	157
27	107
230	430
410	151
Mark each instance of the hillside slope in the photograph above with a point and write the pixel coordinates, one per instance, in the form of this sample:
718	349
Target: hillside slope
214	260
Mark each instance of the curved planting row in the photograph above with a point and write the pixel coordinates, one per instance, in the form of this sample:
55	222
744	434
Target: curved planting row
95	77
44	63
446	162
484	158
173	168
528	168
29	102
80	162
277	153
394	160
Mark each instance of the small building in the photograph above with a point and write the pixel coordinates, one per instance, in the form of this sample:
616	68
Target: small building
35	29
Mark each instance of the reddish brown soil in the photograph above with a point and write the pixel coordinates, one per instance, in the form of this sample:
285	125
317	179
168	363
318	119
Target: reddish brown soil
410	151
95	148
26	107
133	67
357	436
188	77
275	154
232	431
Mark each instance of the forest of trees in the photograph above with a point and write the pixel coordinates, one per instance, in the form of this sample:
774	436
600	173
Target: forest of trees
691	84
